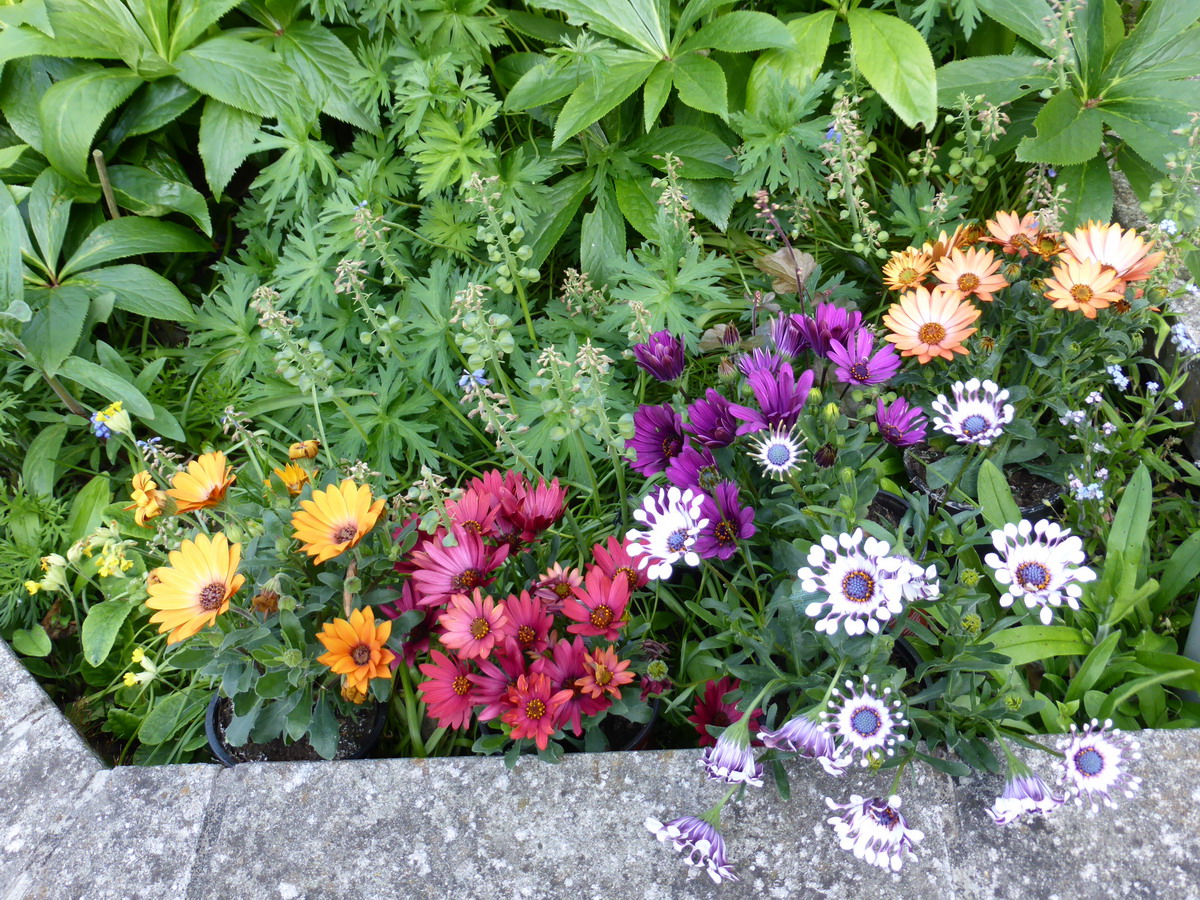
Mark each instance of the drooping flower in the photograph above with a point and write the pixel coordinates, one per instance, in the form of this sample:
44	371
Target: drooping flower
613	558
1083	287
606	674
555	585
777	451
473	625
805	736
440	571
195	587
829	323
529	624
863	723
728	522
304	450
416	642
492	682
695	469
901	424
730	759
149	500
335	519
534	712
657	438
1024	794
858	362
448	694
1096	763
712	708
357	648
780	398
203	483
904	271
474	511
862	584
1122	251
874	830
598	608
293	477
974	417
1040	563
928	324
533	510
712	422
1014	234
564	667
699	841
672	523
661	356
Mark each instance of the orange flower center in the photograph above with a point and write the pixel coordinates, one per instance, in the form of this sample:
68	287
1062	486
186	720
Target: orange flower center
931	333
630	575
601	617
1081	293
480	628
535	709
361	655
472	525
525	635
212	595
603	674
466	579
461	685
346	533
968	282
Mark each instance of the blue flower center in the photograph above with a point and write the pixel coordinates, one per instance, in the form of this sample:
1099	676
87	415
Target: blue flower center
887	817
1089	761
865	721
677	540
858	586
779	454
1033	576
974	425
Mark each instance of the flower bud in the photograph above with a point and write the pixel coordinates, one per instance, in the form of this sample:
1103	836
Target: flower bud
831	413
814	396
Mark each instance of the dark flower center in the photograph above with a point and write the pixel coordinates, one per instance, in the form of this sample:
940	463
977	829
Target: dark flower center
461	685
480	628
601	617
677	540
212	595
562	590
968	282
931	333
1089	761
891	433
525	635
535	709
721	718
860	371
724	533
671	447
887	817
466	579
1033	576
858	586
974	425
361	655
472	525
346	533
630	575
865	721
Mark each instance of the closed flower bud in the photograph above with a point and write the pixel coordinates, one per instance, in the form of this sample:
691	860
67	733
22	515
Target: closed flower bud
815	396
969	577
265	601
352	693
727	371
831	412
1012	271
304	450
825	456
1154	295
972	624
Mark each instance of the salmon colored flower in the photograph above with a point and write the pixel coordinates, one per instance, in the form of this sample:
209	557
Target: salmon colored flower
148	500
356	648
1014	234
203	484
196	586
473	625
304	450
943	246
335	519
605	674
904	271
535	708
294	478
529	624
1084	286
933	323
970	273
1122	251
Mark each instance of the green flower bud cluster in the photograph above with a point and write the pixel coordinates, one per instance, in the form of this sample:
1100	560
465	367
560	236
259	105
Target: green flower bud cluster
484	336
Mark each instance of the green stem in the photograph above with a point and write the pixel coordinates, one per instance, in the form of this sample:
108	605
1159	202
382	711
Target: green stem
411	715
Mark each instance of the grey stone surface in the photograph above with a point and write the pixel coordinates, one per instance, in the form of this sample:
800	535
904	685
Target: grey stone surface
20	695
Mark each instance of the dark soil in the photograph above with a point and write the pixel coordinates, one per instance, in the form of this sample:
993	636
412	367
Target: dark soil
1031	492
352	742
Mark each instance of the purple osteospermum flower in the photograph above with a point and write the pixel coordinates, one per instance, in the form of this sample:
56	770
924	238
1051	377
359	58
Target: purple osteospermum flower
867	725
1024	794
657	438
759	360
830	323
661	356
712	421
1042	565
701	843
1094	763
806	736
900	424
974	418
789	340
673	522
695	469
780	397
874	830
731	760
728	522
856	364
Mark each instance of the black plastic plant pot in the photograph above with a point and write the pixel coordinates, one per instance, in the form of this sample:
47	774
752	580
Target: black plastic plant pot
225	753
914	465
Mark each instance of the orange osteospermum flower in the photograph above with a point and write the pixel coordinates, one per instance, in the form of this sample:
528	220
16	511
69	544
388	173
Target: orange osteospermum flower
1014	234
970	272
203	484
149	500
606	674
293	477
927	323
1084	286
355	648
904	271
1122	251
196	586
935	250
335	519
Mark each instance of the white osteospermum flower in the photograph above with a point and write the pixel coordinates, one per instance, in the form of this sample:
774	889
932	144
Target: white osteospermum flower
874	830
672	520
863	585
777	451
974	417
1025	793
1094	763
700	843
1041	563
864	723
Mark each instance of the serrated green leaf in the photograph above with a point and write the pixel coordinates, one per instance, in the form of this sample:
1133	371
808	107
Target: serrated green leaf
328	70
71	111
541	85
130	236
97	29
701	84
655	93
1028	18
50	203
238	73
155	105
601	93
1001	79
639	23
1067	133
107	385
147	193
12	238
1162	31
561	202
226	138
602	241
896	61
100	629
192	19
1088	191
798	66
324	731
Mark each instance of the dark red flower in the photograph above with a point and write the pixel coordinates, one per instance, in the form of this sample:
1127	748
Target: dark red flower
712	709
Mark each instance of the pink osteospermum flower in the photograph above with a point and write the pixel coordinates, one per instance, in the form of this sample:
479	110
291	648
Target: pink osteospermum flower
440	572
529	623
713	709
533	510
474	511
492	681
613	557
473	625
416	642
606	674
564	667
535	706
598	609
448	693
555	585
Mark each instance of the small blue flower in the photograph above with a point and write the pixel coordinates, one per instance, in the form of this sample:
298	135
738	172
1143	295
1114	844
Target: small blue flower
473	379
1052	173
1183	340
833	135
1178	405
1152	387
1118	376
1169	226
99	429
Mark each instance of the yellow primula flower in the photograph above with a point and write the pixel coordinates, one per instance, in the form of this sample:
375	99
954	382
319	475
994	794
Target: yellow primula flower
130	679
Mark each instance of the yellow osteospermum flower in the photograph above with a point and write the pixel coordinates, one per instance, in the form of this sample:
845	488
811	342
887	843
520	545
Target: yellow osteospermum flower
335	519
203	484
195	588
148	500
293	477
304	450
904	271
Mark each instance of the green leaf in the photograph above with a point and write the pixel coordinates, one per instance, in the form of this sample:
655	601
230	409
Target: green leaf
32	642
49	213
1028	18
1030	643
701	84
599	94
56	327
163	720
896	61
192	19
10	156
1181	571
541	85
1128	531
638	203
39	470
1067	133
107	385
97	29
655	93
226	138
147	193
1087	39
273	685
130	236
995	497
324	731
602	241
739	32
87	509
1133	688
12	237
100	629
238	730
238	73
155	105
797	67
1089	192
138	290
561	201
1157	37
71	112
1093	667
1169	662
1001	79
639	23
702	153
328	70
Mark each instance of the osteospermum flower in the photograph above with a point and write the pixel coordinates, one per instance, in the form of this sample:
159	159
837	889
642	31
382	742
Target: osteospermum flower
1040	563
759	359
786	335
657	438
712	422
672	523
304	450
928	324
728	522
901	424
777	451
555	585
598	608
564	666
661	356
1095	763
1122	251
1014	234
533	509
864	723
904	271
695	469
148	500
492	682
731	760
828	323
448	694
293	477
613	558
700	843
874	830
335	519
978	414
1024	794
529	624
781	397
440	572
970	273
944	245
712	708
203	483
805	736
195	587
534	712
861	583
474	511
858	362
356	648
1084	286
473	625
606	674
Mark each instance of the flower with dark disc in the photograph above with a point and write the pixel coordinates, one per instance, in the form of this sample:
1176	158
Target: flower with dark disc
728	522
874	830
901	424
661	356
657	438
700	843
1096	763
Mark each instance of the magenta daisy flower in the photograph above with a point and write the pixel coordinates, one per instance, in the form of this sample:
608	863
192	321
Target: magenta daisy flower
759	360
786	335
857	362
712	708
831	323
533	510
598	609
694	469
712	421
657	438
780	398
492	681
448	694
440	572
661	356
554	586
901	424
529	623
613	558
416	642
728	522
534	711
565	665
474	511
473	625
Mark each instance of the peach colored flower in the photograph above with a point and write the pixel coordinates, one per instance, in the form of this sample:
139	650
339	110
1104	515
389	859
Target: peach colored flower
927	323
1122	251
1084	286
970	273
